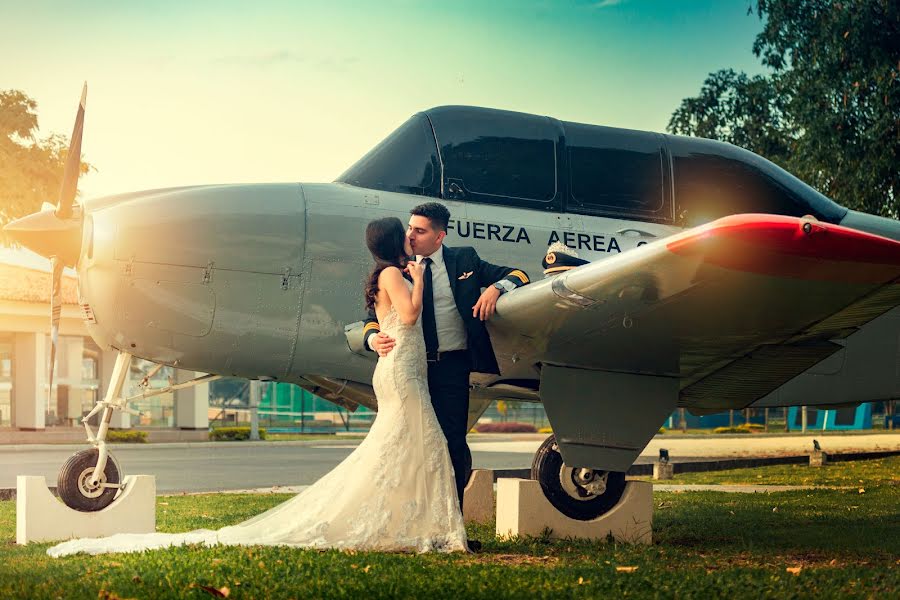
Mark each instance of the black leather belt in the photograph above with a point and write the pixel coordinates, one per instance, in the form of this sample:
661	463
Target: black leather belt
439	356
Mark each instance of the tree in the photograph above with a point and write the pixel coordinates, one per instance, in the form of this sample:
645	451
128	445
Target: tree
829	109
31	168
744	111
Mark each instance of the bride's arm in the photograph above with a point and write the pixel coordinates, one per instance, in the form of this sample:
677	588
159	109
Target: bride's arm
408	304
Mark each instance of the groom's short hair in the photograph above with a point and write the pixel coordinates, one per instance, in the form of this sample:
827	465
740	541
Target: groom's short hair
435	212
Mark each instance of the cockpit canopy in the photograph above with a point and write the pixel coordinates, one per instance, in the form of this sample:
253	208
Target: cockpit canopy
507	158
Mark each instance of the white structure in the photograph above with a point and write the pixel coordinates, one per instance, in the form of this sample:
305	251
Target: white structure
478	497
40	517
523	509
191	404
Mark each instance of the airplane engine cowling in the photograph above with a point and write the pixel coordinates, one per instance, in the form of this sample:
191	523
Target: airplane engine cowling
200	277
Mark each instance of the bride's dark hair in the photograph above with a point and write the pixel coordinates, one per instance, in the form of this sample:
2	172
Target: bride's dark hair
385	239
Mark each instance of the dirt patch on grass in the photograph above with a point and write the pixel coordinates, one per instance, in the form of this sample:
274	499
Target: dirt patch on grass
511	560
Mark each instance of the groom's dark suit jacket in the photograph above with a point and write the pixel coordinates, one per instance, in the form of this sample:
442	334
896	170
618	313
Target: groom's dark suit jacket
468	274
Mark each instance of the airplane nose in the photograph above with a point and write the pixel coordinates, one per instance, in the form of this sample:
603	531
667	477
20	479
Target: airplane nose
49	235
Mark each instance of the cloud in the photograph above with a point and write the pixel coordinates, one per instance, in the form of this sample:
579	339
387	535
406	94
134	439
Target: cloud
606	3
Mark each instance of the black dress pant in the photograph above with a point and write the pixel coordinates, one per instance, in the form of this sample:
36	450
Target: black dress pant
448	384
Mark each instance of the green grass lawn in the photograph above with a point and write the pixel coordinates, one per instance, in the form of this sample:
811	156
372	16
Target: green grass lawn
841	543
858	474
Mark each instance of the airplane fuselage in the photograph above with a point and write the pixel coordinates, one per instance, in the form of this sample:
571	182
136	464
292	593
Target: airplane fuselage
260	281
191	288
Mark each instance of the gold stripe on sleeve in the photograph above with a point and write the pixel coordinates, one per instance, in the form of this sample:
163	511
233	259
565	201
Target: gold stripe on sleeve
520	275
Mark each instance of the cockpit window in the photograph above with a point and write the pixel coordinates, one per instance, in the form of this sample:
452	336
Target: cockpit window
496	156
614	171
405	162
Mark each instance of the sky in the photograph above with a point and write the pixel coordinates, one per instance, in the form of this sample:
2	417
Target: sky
201	92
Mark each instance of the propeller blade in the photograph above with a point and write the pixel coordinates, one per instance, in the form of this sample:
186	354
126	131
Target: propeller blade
56	267
69	186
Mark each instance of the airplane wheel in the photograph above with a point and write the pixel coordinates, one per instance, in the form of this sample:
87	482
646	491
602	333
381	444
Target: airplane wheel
74	485
582	494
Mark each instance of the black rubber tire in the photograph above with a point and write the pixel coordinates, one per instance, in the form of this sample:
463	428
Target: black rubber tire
546	468
71	493
468	465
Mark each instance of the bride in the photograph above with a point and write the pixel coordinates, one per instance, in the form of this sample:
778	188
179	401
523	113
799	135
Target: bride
396	491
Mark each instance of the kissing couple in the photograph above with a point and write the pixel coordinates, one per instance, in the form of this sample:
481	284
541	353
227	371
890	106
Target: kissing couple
401	489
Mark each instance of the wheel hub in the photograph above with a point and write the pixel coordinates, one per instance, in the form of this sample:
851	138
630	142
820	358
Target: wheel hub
85	487
583	484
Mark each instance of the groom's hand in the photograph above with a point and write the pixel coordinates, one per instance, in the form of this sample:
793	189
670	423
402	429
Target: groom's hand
487	304
381	343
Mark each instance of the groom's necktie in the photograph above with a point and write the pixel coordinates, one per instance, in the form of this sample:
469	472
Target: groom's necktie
429	325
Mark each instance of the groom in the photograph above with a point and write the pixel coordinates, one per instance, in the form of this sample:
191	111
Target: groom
454	310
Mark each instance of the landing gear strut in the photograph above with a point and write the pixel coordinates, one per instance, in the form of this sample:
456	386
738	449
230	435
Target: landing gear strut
578	493
91	479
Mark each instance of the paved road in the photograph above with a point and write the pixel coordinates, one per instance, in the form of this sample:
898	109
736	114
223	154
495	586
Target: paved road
222	466
208	467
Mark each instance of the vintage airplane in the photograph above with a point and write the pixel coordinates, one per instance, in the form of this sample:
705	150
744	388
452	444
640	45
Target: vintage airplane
718	281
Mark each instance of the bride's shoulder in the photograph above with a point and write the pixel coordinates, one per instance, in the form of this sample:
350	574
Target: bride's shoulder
390	273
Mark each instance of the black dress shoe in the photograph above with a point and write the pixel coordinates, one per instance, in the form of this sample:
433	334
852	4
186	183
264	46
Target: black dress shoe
474	546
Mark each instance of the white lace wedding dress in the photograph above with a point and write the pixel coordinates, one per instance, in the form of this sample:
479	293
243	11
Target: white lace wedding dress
396	491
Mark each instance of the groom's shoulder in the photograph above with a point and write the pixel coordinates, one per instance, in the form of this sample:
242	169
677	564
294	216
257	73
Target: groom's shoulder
461	250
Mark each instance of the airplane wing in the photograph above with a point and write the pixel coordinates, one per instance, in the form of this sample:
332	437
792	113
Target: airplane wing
720	314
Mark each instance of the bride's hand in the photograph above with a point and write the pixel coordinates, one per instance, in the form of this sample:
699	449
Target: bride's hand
415	270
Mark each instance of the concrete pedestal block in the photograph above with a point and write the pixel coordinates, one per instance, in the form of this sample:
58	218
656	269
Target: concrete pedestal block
818	458
41	517
663	470
478	497
522	509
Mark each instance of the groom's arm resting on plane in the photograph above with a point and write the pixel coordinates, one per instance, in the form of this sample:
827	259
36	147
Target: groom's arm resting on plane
496	281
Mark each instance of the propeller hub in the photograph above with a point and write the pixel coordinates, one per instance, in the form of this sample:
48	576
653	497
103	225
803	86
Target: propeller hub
49	235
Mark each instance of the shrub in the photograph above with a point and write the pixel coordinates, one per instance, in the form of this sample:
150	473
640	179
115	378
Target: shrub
661	430
737	429
126	436
509	427
545	430
234	434
754	426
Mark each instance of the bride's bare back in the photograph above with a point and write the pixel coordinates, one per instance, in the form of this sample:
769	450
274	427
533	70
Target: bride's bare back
394	291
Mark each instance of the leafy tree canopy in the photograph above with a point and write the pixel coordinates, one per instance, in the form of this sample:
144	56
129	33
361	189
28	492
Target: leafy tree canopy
829	108
31	168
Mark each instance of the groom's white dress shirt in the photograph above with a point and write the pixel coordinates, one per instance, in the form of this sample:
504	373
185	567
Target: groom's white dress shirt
450	328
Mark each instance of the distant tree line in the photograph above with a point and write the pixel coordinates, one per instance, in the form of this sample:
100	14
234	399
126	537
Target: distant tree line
829	109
